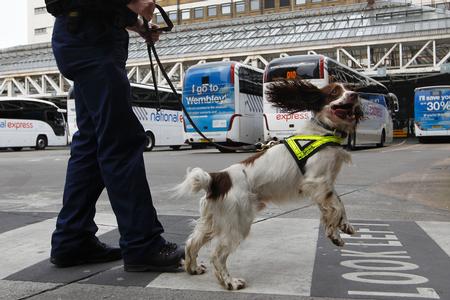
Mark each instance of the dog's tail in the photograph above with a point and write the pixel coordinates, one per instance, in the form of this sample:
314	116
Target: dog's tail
195	180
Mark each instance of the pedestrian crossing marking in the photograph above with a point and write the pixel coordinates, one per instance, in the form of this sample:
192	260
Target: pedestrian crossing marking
439	232
25	246
278	258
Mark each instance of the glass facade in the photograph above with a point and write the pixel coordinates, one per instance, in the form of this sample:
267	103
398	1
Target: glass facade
269	4
226	9
185	14
173	15
212	10
255	5
240	7
198	12
306	28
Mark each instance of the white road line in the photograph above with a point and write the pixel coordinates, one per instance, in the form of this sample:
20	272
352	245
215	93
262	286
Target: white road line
400	148
439	232
276	258
28	245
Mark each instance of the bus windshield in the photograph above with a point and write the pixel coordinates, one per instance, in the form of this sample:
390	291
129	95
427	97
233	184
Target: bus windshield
374	98
292	67
208	95
432	108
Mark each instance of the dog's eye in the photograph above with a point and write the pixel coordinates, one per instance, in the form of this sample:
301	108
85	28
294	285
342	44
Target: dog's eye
335	92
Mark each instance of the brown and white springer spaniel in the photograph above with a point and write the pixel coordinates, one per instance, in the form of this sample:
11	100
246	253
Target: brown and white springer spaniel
235	195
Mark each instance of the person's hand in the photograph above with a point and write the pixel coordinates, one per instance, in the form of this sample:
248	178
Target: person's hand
151	36
143	8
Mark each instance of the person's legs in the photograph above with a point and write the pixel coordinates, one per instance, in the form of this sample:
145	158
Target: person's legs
98	68
75	227
74	241
121	141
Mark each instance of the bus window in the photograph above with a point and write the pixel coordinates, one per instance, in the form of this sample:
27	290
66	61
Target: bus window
250	81
145	97
290	68
11	110
56	121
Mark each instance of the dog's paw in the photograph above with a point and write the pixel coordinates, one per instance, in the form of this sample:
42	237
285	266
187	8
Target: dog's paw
200	269
235	284
337	241
336	238
333	234
347	228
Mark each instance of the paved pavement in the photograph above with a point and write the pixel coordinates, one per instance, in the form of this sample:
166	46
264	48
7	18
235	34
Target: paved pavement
285	257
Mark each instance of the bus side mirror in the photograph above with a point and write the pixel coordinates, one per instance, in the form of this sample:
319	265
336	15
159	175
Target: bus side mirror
394	101
60	110
396	106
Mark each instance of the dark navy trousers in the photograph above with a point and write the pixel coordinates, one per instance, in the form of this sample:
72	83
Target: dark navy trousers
107	150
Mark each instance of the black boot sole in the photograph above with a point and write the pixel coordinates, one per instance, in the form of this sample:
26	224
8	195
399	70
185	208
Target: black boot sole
59	263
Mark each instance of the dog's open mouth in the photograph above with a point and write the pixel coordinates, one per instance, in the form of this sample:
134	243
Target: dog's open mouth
343	111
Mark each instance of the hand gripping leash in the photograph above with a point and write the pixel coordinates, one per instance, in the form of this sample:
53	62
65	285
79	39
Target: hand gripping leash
151	49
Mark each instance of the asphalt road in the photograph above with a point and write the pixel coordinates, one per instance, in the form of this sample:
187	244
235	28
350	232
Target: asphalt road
405	171
398	196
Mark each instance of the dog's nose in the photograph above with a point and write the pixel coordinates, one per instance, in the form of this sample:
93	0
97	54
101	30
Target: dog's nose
352	96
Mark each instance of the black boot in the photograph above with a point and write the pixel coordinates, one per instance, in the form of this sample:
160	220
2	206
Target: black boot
92	251
168	259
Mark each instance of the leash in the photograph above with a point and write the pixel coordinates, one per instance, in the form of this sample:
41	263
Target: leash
151	49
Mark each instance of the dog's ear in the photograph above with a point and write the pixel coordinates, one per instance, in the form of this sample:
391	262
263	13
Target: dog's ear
359	114
295	95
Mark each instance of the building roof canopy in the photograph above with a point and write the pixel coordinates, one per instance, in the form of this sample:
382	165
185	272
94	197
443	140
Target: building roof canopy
356	23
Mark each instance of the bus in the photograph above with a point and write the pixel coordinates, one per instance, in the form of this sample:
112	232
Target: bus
432	112
27	122
224	100
378	104
162	120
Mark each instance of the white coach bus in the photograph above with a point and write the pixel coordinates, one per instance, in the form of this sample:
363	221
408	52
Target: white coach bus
224	100
162	120
378	104
26	122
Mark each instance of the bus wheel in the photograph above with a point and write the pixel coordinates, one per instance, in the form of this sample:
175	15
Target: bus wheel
17	148
382	140
41	142
176	147
150	141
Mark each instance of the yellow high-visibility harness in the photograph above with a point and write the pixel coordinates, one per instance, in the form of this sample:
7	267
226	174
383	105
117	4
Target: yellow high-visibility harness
303	147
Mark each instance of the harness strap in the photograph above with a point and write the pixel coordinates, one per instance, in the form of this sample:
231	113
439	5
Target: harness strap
302	147
343	134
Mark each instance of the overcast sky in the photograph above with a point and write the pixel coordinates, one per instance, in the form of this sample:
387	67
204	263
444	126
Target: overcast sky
13	23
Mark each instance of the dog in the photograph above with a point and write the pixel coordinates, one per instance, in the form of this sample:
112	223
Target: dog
235	195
